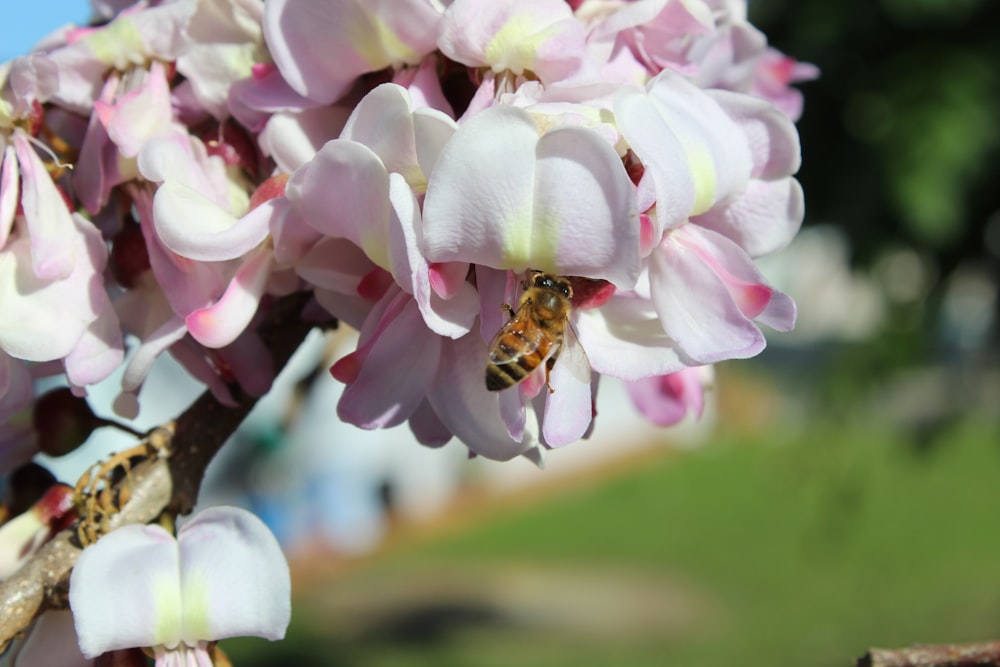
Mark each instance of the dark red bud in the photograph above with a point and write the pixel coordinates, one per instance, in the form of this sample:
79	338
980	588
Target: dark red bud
25	486
129	257
634	168
63	422
56	506
230	142
589	293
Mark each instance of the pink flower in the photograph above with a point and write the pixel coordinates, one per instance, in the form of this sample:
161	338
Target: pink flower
320	49
408	163
522	38
666	399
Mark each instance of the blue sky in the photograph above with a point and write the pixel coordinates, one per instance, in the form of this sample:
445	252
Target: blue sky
26	21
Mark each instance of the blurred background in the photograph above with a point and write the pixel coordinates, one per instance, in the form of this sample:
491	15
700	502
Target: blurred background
840	492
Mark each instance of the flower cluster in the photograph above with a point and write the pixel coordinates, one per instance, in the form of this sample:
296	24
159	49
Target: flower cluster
407	163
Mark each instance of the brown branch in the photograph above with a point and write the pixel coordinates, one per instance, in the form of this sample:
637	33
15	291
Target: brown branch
156	485
944	655
204	427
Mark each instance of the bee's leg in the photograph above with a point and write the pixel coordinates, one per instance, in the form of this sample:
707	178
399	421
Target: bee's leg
506	307
548	369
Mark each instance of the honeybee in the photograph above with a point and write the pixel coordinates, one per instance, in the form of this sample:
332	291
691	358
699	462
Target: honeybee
537	332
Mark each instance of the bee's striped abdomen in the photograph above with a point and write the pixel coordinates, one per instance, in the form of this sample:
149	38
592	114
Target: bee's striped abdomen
509	365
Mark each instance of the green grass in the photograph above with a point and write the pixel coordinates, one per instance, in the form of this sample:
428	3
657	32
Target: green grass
803	552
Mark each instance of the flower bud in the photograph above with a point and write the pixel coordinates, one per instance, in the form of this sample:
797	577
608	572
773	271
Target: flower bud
590	293
25	486
231	143
23	535
63	422
129	257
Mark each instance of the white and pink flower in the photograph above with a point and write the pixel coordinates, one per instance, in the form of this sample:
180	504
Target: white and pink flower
406	163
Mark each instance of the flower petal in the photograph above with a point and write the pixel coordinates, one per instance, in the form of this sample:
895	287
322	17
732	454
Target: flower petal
320	48
763	220
384	120
697	154
125	591
50	224
218	325
625	339
707	292
294	138
43	319
392	379
585	205
481	193
772	137
10	192
100	349
427	427
537	36
344	192
569	408
667	399
153	345
464	405
502	197
195	227
452	316
141	114
234	577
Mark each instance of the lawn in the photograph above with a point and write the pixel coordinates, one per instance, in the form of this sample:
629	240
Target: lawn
749	551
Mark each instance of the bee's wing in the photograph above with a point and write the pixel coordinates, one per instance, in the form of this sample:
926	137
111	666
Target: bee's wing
572	356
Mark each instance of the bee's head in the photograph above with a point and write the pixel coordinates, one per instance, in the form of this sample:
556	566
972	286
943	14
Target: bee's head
549	282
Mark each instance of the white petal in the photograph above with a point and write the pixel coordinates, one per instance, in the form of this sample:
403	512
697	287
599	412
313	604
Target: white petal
695	306
464	405
585	207
234	577
10	192
625	339
452	317
479	199
125	591
344	192
99	351
383	121
50	225
294	138
569	408
335	264
43	320
763	220
771	134
193	226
